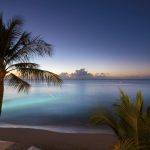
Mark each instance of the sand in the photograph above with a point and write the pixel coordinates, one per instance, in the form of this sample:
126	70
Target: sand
5	144
48	140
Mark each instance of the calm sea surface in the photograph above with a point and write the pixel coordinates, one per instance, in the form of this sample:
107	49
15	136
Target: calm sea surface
68	105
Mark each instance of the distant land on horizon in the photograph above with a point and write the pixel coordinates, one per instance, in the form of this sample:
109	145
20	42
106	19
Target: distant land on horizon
110	78
82	74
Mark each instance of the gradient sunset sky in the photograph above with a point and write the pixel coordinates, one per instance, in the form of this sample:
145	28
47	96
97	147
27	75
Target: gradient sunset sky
110	36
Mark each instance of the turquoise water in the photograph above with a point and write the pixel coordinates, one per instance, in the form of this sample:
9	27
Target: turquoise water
68	105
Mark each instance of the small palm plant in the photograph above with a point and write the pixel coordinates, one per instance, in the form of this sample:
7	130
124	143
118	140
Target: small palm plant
130	123
16	50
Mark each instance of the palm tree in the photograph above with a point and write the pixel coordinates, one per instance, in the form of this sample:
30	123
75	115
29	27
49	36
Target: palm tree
129	122
16	50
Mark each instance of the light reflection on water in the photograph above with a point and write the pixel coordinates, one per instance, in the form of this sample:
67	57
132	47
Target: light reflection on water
71	104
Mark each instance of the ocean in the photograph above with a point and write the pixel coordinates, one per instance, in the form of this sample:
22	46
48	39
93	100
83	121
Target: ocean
70	105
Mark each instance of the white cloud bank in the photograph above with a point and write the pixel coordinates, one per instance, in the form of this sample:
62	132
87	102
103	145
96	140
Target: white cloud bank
82	74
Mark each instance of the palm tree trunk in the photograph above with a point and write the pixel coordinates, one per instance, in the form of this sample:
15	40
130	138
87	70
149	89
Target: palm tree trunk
1	93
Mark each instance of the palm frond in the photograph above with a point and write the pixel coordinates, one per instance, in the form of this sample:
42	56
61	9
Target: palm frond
14	27
25	36
105	118
8	34
32	47
18	83
39	75
22	65
139	102
125	100
129	116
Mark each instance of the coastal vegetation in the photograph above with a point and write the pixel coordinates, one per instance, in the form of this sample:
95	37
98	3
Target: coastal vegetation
17	48
130	122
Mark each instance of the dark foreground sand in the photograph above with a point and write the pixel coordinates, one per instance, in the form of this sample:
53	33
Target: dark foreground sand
4	145
47	140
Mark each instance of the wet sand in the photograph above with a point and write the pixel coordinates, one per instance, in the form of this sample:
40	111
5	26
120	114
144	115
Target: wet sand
48	140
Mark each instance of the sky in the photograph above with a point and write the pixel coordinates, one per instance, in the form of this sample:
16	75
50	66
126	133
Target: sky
109	36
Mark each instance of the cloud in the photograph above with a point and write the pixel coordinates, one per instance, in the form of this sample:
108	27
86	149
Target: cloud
64	75
82	74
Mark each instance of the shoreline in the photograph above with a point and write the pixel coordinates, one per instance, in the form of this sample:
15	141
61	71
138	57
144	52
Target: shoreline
62	128
58	141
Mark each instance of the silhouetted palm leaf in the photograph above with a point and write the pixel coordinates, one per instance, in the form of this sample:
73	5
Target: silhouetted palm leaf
18	83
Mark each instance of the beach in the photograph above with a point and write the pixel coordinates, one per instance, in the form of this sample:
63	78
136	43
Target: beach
48	140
